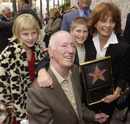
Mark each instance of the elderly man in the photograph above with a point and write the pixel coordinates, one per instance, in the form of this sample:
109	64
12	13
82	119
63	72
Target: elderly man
83	9
62	103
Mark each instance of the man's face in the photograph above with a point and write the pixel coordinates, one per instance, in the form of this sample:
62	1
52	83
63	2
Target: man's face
85	3
63	54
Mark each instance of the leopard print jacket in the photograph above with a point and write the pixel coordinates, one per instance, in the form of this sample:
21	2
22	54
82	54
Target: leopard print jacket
14	77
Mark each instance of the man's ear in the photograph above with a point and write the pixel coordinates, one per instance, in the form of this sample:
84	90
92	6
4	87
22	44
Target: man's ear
50	51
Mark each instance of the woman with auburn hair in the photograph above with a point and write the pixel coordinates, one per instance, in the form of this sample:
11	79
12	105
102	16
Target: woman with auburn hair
18	65
106	41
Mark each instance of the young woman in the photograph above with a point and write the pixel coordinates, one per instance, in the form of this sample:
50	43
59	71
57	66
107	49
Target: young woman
18	64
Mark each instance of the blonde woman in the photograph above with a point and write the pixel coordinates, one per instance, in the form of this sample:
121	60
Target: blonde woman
18	64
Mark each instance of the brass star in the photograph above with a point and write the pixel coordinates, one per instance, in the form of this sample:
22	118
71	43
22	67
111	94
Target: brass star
97	74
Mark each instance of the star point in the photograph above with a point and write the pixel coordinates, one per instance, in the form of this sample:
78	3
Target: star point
97	74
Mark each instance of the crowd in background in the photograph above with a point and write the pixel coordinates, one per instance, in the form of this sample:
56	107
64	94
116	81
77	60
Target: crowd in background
27	55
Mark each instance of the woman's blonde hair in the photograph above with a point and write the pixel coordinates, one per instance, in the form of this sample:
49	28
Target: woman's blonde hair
24	22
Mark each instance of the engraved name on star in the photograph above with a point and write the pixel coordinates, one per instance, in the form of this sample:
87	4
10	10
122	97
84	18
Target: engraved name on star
97	74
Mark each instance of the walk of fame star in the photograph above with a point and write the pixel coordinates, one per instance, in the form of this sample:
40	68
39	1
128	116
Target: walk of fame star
97	74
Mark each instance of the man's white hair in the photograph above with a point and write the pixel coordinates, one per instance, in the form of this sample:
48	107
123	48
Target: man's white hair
54	38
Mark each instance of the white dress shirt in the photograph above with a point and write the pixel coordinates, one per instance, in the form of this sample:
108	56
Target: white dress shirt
102	51
66	85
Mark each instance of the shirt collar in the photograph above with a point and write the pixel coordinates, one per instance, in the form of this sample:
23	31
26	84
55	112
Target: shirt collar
81	12
112	39
58	76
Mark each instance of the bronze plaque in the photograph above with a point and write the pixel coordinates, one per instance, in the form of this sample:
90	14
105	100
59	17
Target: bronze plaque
97	79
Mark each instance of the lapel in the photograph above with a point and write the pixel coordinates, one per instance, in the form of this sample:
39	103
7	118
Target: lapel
61	95
76	86
109	50
76	58
90	51
113	50
75	13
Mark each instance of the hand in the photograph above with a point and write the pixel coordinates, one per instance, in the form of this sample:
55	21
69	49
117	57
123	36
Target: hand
101	117
45	50
44	79
109	98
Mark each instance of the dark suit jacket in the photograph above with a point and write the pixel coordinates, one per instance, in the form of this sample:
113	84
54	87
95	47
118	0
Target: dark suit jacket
46	104
120	63
69	17
127	29
118	54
